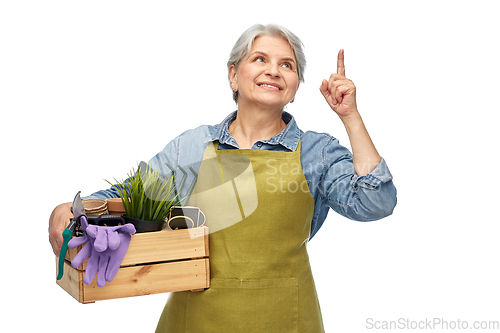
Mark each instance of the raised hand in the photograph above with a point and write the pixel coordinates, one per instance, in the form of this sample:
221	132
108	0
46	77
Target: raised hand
340	92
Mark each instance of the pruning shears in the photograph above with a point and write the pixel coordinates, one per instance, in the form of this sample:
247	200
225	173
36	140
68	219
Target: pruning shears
74	225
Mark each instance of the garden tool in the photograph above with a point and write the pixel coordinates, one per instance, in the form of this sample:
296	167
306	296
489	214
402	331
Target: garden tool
74	228
78	212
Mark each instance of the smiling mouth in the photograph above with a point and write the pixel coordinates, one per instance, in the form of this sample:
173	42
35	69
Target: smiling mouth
269	86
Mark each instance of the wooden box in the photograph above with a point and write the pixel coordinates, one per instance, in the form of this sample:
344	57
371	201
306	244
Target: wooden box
156	262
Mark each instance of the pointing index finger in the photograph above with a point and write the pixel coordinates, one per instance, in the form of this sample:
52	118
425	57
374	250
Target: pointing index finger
340	63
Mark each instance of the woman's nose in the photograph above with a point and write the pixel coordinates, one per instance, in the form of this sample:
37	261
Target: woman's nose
273	70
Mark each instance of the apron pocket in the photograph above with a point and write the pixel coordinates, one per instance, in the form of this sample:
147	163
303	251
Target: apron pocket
244	306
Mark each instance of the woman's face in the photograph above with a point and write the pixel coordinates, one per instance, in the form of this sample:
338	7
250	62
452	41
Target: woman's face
268	76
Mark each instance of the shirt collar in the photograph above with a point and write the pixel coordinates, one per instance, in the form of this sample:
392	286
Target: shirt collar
288	137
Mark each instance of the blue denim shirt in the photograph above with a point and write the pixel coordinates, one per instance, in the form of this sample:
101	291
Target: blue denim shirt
327	167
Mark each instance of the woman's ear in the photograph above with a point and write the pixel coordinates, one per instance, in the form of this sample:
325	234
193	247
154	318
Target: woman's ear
233	78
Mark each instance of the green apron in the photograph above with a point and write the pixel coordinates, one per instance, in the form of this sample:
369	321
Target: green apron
259	211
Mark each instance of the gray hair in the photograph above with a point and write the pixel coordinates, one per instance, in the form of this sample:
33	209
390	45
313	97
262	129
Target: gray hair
244	45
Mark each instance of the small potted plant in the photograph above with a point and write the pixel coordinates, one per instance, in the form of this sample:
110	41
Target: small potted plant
147	197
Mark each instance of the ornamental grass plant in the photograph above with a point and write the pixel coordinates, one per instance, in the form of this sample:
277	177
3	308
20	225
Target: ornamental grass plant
146	194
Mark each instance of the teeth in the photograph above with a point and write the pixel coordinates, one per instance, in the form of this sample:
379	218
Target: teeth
267	85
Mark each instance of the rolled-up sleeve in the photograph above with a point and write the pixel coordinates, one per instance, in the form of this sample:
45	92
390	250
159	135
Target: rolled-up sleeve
360	198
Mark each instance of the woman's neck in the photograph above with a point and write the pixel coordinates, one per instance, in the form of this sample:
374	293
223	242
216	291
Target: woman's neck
250	127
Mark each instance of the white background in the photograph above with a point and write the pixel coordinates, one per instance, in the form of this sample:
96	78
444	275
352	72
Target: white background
90	88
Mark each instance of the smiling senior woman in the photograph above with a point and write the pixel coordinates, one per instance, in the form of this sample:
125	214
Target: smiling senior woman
266	188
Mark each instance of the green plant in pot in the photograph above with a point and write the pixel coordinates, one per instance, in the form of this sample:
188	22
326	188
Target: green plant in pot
147	197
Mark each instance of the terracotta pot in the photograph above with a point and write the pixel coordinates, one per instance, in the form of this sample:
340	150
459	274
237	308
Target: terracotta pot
115	206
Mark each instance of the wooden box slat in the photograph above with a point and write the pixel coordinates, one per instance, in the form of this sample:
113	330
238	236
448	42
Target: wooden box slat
165	245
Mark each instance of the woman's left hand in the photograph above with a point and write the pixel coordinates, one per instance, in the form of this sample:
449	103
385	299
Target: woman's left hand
340	92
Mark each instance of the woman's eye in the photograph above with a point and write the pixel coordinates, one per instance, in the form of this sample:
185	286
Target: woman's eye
287	65
259	59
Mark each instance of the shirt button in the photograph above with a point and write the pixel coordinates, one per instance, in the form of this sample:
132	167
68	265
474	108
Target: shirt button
259	144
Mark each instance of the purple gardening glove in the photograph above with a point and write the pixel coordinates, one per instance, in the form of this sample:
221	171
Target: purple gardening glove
77	241
106	247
